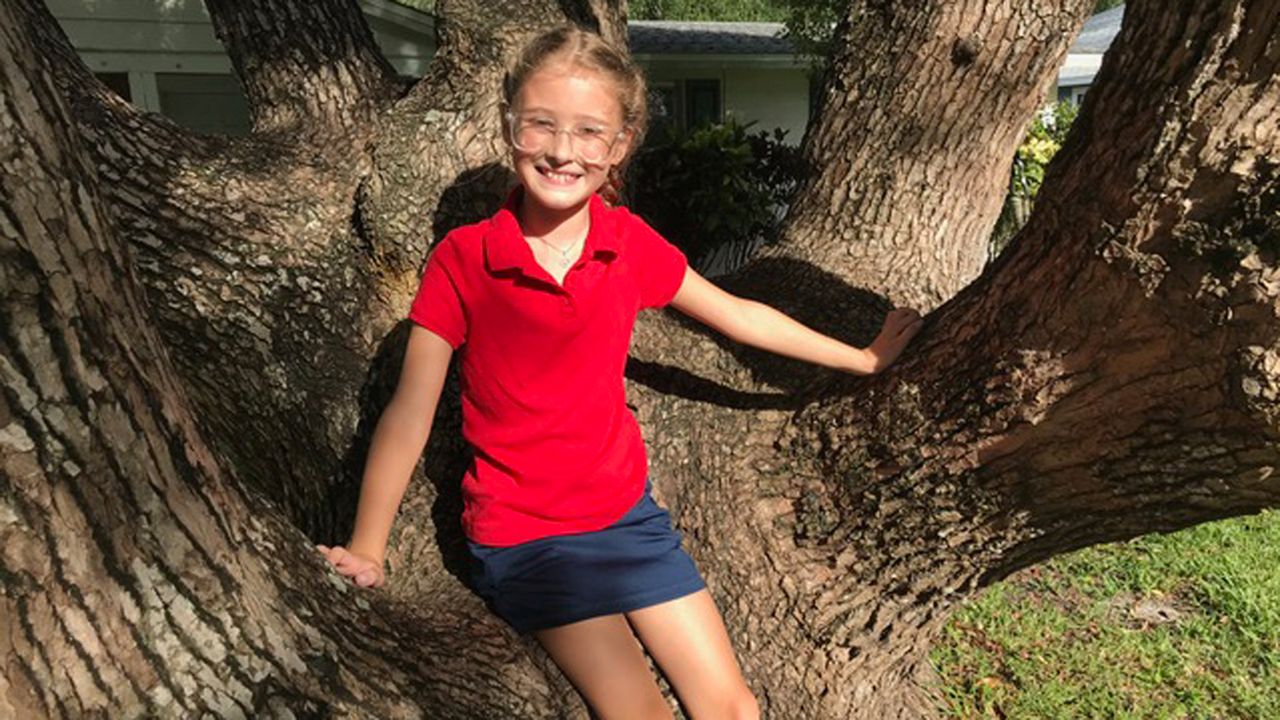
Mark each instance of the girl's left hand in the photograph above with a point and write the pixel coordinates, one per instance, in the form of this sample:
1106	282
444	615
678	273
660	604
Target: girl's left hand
900	325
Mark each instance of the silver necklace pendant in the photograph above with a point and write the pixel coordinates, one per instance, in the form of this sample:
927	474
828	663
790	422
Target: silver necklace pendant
565	259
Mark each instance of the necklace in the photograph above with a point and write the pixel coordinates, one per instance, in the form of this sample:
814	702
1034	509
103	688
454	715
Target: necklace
565	259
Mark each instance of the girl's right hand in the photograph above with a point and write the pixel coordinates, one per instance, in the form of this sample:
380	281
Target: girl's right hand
364	571
900	325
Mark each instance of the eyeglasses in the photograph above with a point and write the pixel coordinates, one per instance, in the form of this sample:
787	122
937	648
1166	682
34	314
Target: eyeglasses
535	133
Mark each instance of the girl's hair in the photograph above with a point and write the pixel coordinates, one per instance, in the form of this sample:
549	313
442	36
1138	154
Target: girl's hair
574	46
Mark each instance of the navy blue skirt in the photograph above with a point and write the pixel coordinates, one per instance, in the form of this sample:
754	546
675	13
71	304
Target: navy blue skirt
634	563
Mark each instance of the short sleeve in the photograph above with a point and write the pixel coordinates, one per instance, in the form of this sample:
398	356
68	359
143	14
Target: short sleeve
659	265
438	305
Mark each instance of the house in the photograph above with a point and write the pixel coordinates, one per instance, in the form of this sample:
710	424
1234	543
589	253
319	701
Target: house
1085	56
700	71
162	55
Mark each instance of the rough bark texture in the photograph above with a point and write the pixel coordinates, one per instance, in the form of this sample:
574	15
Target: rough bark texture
337	79
1106	378
169	462
924	105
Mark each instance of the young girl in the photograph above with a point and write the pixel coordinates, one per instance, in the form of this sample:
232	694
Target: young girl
540	300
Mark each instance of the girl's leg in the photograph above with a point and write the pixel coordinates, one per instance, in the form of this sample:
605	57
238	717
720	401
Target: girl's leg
687	638
602	658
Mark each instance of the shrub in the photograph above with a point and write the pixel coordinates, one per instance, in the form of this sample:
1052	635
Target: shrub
1044	138
714	186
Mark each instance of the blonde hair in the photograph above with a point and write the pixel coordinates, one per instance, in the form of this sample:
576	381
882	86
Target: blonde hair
574	46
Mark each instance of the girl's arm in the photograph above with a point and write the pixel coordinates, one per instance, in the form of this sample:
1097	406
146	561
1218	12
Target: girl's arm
756	324
397	444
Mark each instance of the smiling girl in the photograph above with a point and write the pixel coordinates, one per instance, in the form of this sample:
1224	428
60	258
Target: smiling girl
539	302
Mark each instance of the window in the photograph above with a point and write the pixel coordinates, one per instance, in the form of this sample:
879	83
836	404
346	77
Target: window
702	102
663	107
117	81
685	104
205	103
1074	93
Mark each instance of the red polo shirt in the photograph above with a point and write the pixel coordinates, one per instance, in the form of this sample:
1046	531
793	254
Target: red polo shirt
556	449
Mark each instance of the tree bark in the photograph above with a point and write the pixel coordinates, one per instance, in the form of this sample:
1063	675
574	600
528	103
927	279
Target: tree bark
923	108
140	579
1113	373
282	245
337	79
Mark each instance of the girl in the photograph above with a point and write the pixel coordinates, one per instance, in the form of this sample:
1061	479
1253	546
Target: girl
539	300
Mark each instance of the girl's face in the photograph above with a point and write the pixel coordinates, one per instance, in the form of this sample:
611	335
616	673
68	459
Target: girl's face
578	102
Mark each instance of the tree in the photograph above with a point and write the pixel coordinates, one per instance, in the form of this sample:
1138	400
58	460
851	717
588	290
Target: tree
1048	131
811	23
198	331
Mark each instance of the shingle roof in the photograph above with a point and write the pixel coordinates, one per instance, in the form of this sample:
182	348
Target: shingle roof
1099	31
714	38
760	38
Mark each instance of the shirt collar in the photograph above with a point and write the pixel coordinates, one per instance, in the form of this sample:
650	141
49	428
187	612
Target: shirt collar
505	246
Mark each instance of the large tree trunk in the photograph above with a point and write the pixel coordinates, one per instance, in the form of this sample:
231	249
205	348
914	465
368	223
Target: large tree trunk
168	462
911	152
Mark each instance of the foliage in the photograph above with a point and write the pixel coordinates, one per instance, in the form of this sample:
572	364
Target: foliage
723	10
1106	5
810	25
713	185
1044	138
1183	625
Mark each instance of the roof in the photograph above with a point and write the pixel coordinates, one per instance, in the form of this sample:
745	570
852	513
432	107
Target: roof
1099	31
679	37
1078	79
670	37
414	15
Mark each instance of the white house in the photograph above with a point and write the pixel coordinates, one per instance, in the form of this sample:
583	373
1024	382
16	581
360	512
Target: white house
1085	56
712	70
162	55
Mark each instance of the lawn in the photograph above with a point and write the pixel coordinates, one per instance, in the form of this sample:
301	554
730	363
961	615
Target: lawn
1185	625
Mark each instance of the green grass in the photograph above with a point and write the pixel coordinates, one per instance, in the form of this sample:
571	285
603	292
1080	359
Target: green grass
1063	640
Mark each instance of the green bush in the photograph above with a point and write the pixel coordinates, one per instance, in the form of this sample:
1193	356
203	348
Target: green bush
715	185
1044	138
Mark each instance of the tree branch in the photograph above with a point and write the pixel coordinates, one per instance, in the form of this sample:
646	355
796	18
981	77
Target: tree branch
140	577
1117	372
921	115
235	239
305	65
1185	218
